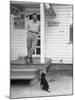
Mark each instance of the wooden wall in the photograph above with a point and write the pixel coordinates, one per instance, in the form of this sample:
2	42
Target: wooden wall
57	34
18	42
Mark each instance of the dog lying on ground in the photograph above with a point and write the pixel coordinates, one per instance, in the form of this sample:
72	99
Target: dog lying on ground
43	83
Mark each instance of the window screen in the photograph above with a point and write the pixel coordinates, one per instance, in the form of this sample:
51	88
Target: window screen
71	33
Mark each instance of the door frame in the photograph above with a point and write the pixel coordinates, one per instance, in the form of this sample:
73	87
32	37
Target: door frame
33	10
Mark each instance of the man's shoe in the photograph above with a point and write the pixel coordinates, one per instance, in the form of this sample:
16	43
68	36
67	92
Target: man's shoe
30	60
26	59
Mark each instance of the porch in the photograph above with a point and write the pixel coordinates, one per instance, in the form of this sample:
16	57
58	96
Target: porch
22	71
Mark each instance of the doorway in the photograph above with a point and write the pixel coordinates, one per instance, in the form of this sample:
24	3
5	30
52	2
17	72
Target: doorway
37	51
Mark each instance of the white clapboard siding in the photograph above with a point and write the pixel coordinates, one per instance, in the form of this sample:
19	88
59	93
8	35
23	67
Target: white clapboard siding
56	44
17	42
18	37
56	38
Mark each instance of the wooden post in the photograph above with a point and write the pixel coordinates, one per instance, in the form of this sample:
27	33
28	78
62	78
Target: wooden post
26	22
42	33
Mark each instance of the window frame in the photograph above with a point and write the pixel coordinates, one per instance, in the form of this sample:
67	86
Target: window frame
71	34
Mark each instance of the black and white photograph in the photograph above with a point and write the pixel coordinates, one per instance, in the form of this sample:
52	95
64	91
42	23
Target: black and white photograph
41	49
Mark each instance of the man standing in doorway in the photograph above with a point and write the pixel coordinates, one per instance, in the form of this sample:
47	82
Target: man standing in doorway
33	29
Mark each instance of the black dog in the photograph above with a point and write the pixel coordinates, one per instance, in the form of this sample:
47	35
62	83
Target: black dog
44	84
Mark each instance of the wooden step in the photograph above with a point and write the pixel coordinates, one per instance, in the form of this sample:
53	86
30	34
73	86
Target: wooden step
24	70
36	61
21	70
23	73
14	76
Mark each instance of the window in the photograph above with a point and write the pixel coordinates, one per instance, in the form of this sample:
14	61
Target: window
38	48
38	51
71	33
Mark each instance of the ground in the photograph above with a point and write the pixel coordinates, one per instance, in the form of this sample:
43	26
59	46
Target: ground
60	83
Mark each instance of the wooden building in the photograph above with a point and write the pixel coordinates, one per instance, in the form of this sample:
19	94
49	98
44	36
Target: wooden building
56	36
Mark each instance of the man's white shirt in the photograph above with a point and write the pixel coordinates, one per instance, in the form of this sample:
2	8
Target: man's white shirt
33	26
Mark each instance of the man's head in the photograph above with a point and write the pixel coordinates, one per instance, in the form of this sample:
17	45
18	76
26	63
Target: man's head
34	17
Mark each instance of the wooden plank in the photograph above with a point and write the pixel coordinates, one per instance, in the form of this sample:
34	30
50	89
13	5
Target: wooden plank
24	70
22	77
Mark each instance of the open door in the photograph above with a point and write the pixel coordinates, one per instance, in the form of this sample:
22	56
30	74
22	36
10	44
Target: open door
30	11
